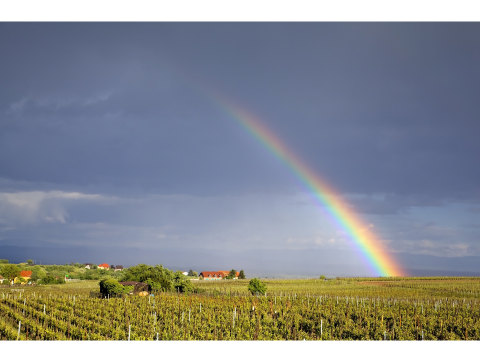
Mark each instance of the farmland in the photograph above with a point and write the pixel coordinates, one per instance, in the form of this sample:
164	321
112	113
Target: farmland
341	309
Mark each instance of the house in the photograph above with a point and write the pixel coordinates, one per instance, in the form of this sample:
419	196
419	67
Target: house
26	274
104	266
88	265
185	273
1	279
118	268
226	273
211	275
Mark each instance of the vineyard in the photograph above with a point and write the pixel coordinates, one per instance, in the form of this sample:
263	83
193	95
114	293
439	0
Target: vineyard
343	309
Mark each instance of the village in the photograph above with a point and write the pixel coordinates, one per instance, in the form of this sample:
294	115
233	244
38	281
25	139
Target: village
51	274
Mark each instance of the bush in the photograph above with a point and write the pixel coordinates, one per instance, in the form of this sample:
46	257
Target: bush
49	279
20	280
163	284
184	286
113	287
256	286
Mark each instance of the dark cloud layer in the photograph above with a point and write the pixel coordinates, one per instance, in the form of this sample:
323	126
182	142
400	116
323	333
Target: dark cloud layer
386	112
373	108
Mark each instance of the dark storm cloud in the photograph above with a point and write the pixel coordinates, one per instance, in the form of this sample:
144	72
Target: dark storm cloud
108	136
374	108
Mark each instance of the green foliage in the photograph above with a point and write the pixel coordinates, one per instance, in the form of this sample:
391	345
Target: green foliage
232	274
10	272
29	261
158	277
322	277
241	275
39	272
163	285
3	261
112	287
184	286
49	279
129	289
143	272
20	280
256	286
192	273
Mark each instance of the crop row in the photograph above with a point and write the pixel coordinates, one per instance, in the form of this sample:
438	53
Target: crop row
228	317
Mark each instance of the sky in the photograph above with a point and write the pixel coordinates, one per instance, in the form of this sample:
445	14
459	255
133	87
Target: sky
113	148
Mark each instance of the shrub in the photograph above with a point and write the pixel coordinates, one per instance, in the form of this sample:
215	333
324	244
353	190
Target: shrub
112	287
49	279
20	280
256	286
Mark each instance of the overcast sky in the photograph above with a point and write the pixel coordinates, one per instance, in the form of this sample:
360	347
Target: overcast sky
108	137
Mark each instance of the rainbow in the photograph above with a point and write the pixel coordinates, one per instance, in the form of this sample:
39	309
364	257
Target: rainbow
372	250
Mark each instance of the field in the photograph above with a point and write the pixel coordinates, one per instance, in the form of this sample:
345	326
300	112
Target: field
341	309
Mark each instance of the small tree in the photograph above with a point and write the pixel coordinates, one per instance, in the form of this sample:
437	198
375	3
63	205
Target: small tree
10	272
241	275
29	261
322	277
195	273
232	274
190	273
3	261
256	285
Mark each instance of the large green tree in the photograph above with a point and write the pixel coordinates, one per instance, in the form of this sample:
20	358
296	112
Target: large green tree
158	277
241	275
10	272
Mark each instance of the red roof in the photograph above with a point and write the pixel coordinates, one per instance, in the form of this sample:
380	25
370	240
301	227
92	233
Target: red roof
225	273
104	265
25	273
211	274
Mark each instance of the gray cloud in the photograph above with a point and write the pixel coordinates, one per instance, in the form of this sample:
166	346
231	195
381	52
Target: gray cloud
387	113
